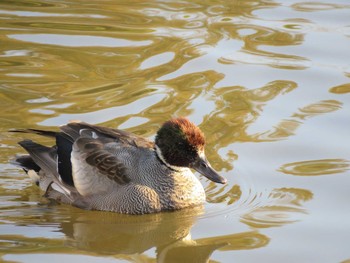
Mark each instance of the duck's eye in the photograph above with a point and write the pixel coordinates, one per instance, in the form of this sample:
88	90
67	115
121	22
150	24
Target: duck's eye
204	165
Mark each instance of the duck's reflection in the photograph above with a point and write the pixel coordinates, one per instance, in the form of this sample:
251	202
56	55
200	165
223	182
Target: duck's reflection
168	233
162	237
112	233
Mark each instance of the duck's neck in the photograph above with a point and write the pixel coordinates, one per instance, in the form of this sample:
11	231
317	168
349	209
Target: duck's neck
162	159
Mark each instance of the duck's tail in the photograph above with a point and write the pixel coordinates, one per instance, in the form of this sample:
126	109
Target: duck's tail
54	159
50	167
41	167
28	165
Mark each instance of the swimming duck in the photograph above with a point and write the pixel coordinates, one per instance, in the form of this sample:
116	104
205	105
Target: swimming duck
98	168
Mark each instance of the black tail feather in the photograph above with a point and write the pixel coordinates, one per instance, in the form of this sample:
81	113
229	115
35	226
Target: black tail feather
35	131
54	160
26	162
42	156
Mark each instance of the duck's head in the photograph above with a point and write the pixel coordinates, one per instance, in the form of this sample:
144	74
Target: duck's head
180	143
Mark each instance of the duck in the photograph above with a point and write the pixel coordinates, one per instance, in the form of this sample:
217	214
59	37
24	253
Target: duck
98	168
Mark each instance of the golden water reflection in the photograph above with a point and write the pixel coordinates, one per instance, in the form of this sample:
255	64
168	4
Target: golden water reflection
288	127
226	65
102	233
341	89
316	6
129	237
316	167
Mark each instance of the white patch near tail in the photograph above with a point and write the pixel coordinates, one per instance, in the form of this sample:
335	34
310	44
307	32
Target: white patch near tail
33	176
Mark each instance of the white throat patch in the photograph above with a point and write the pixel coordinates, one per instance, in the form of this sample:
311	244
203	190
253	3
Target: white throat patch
174	167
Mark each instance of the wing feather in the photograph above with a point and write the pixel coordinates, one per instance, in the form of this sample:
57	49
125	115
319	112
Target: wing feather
107	163
74	129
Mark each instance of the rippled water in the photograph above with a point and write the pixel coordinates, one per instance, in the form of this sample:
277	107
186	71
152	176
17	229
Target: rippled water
267	82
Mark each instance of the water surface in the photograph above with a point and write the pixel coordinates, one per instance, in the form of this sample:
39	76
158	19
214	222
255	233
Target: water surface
268	82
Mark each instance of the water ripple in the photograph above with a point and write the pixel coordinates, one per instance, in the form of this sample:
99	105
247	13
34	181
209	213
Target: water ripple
284	206
42	14
78	41
316	167
316	6
107	113
341	89
232	67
